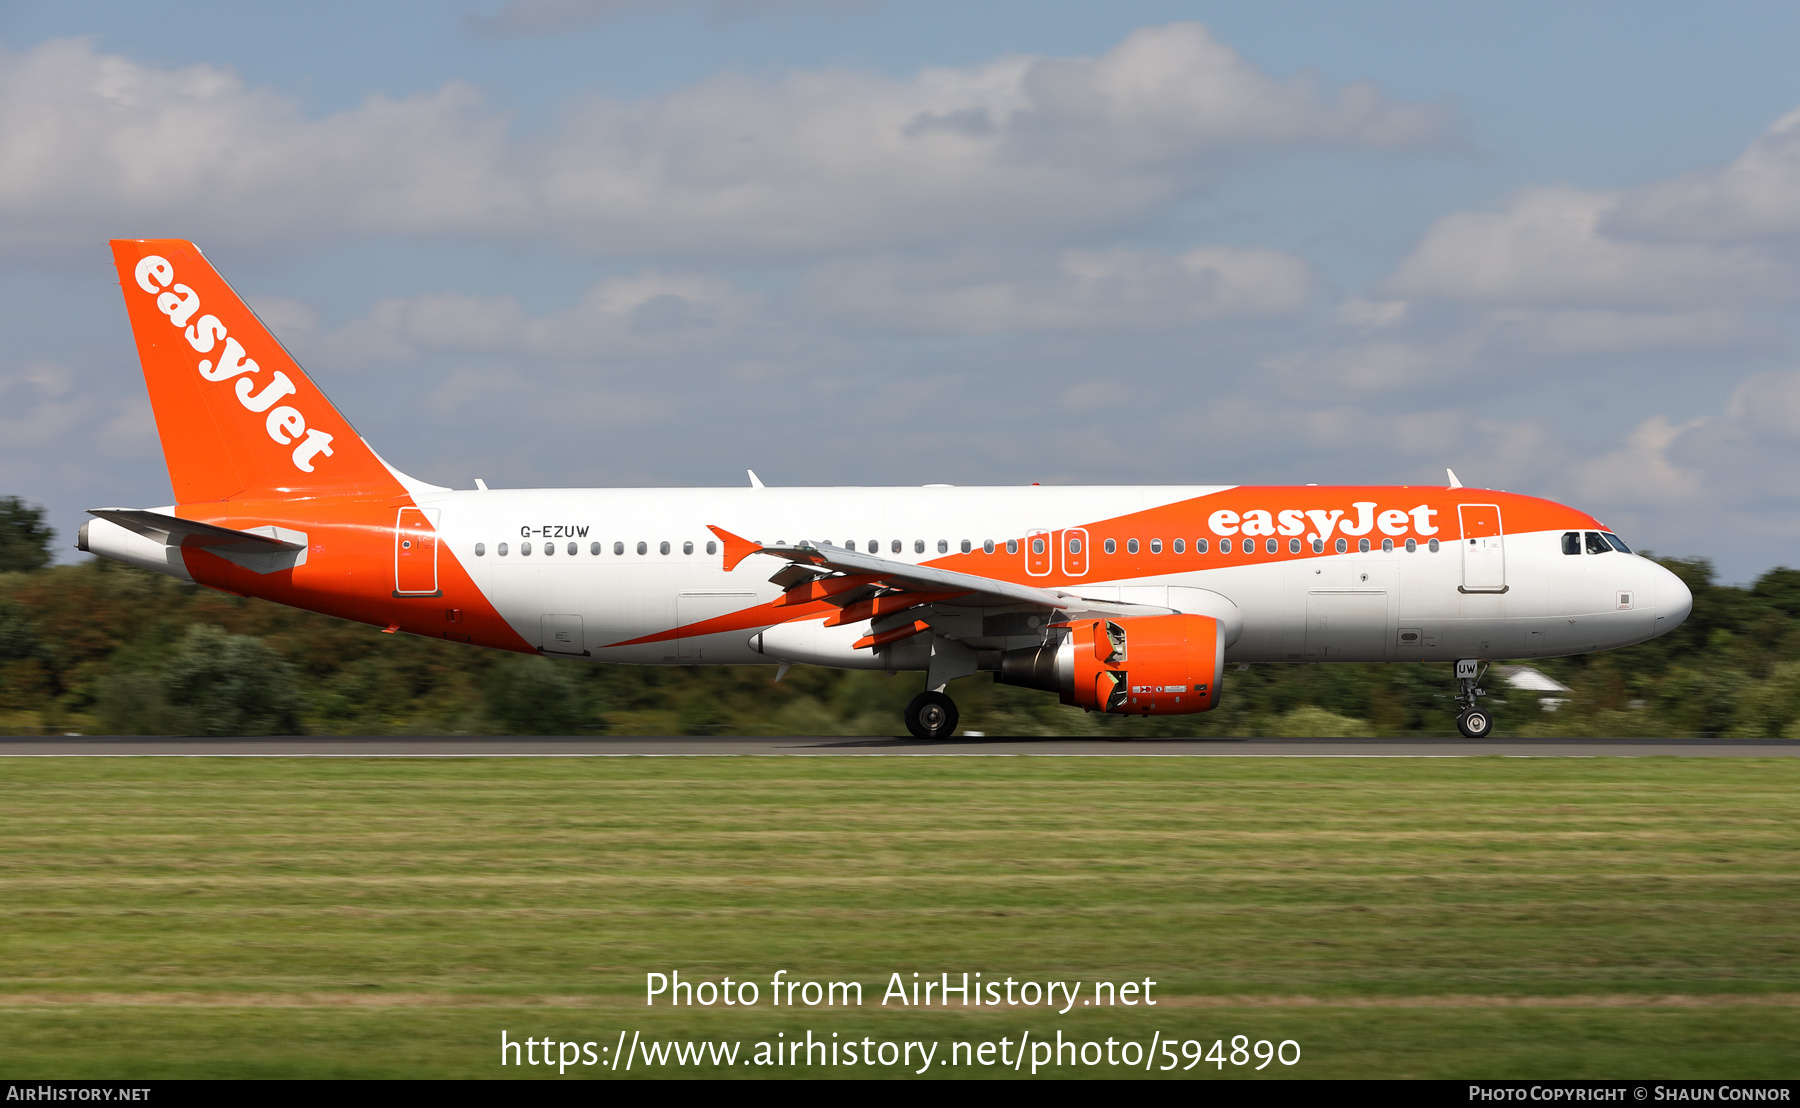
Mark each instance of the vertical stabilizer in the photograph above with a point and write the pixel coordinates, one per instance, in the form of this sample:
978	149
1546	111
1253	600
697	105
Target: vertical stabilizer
237	415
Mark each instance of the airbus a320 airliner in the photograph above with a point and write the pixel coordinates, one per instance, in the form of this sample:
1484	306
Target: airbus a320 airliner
1121	599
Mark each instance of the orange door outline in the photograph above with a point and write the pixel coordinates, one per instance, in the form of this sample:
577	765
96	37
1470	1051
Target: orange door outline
415	554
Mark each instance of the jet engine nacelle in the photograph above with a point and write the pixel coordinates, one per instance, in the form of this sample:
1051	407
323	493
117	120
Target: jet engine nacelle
1136	665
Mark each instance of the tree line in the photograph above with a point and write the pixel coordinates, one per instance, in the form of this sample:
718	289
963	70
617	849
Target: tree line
102	648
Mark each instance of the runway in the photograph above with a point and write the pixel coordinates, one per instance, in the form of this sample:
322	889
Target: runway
388	746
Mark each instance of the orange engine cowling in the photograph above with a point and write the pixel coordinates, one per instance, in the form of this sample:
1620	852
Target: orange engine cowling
1137	665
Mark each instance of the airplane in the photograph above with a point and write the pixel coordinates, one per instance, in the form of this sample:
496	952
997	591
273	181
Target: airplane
1129	600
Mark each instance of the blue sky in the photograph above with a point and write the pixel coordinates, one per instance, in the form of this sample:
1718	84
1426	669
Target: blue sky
648	242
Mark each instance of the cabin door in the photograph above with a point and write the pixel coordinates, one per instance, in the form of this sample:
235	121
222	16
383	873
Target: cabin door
415	552
1483	548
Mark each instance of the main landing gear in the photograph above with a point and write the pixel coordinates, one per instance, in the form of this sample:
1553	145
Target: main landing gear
931	715
1473	722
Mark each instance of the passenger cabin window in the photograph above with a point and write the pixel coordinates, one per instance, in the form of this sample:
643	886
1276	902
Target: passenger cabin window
573	549
1131	546
1012	546
1596	544
895	545
643	548
501	550
1111	546
1412	545
687	548
1271	545
1225	546
1387	546
944	546
987	546
664	547
1074	546
1037	546
1181	546
1200	546
480	549
593	548
712	547
1156	546
967	546
1362	546
618	548
1432	546
918	546
850	544
874	546
1318	546
1571	542
524	550
1293	546
1343	546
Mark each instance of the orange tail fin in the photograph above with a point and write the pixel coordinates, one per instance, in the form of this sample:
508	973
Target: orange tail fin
236	413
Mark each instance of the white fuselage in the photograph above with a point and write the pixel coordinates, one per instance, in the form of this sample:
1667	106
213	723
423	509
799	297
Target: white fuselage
629	564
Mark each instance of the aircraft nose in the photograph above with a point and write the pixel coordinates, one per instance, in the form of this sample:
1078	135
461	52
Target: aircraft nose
1674	601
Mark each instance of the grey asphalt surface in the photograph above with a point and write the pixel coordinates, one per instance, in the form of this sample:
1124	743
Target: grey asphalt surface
456	746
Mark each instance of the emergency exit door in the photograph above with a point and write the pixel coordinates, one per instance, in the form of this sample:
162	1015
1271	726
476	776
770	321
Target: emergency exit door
1075	551
1483	548
1039	556
415	552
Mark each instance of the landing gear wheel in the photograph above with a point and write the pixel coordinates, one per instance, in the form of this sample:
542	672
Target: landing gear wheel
931	715
1475	724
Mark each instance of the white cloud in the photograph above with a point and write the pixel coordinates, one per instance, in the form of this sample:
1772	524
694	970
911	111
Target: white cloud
47	406
1757	194
1734	473
1357	312
1640	472
524	18
1080	290
1769	403
284	316
808	161
616	318
1549	247
93	141
38	404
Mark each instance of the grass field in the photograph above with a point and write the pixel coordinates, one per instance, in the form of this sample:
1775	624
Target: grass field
1396	917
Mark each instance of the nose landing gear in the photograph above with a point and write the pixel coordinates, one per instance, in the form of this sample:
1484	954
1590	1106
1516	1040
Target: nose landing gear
931	715
1473	722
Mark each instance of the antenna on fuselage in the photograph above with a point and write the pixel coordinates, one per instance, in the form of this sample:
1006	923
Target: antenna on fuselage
1454	483
755	481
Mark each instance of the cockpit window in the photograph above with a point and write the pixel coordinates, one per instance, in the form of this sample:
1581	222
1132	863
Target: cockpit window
1617	542
1571	542
1596	543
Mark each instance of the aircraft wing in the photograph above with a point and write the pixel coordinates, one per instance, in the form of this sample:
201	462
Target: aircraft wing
922	579
868	586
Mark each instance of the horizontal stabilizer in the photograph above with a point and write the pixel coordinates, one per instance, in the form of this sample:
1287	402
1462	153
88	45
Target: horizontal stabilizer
175	531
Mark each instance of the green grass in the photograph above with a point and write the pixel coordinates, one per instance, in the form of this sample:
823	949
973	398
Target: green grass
1398	917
